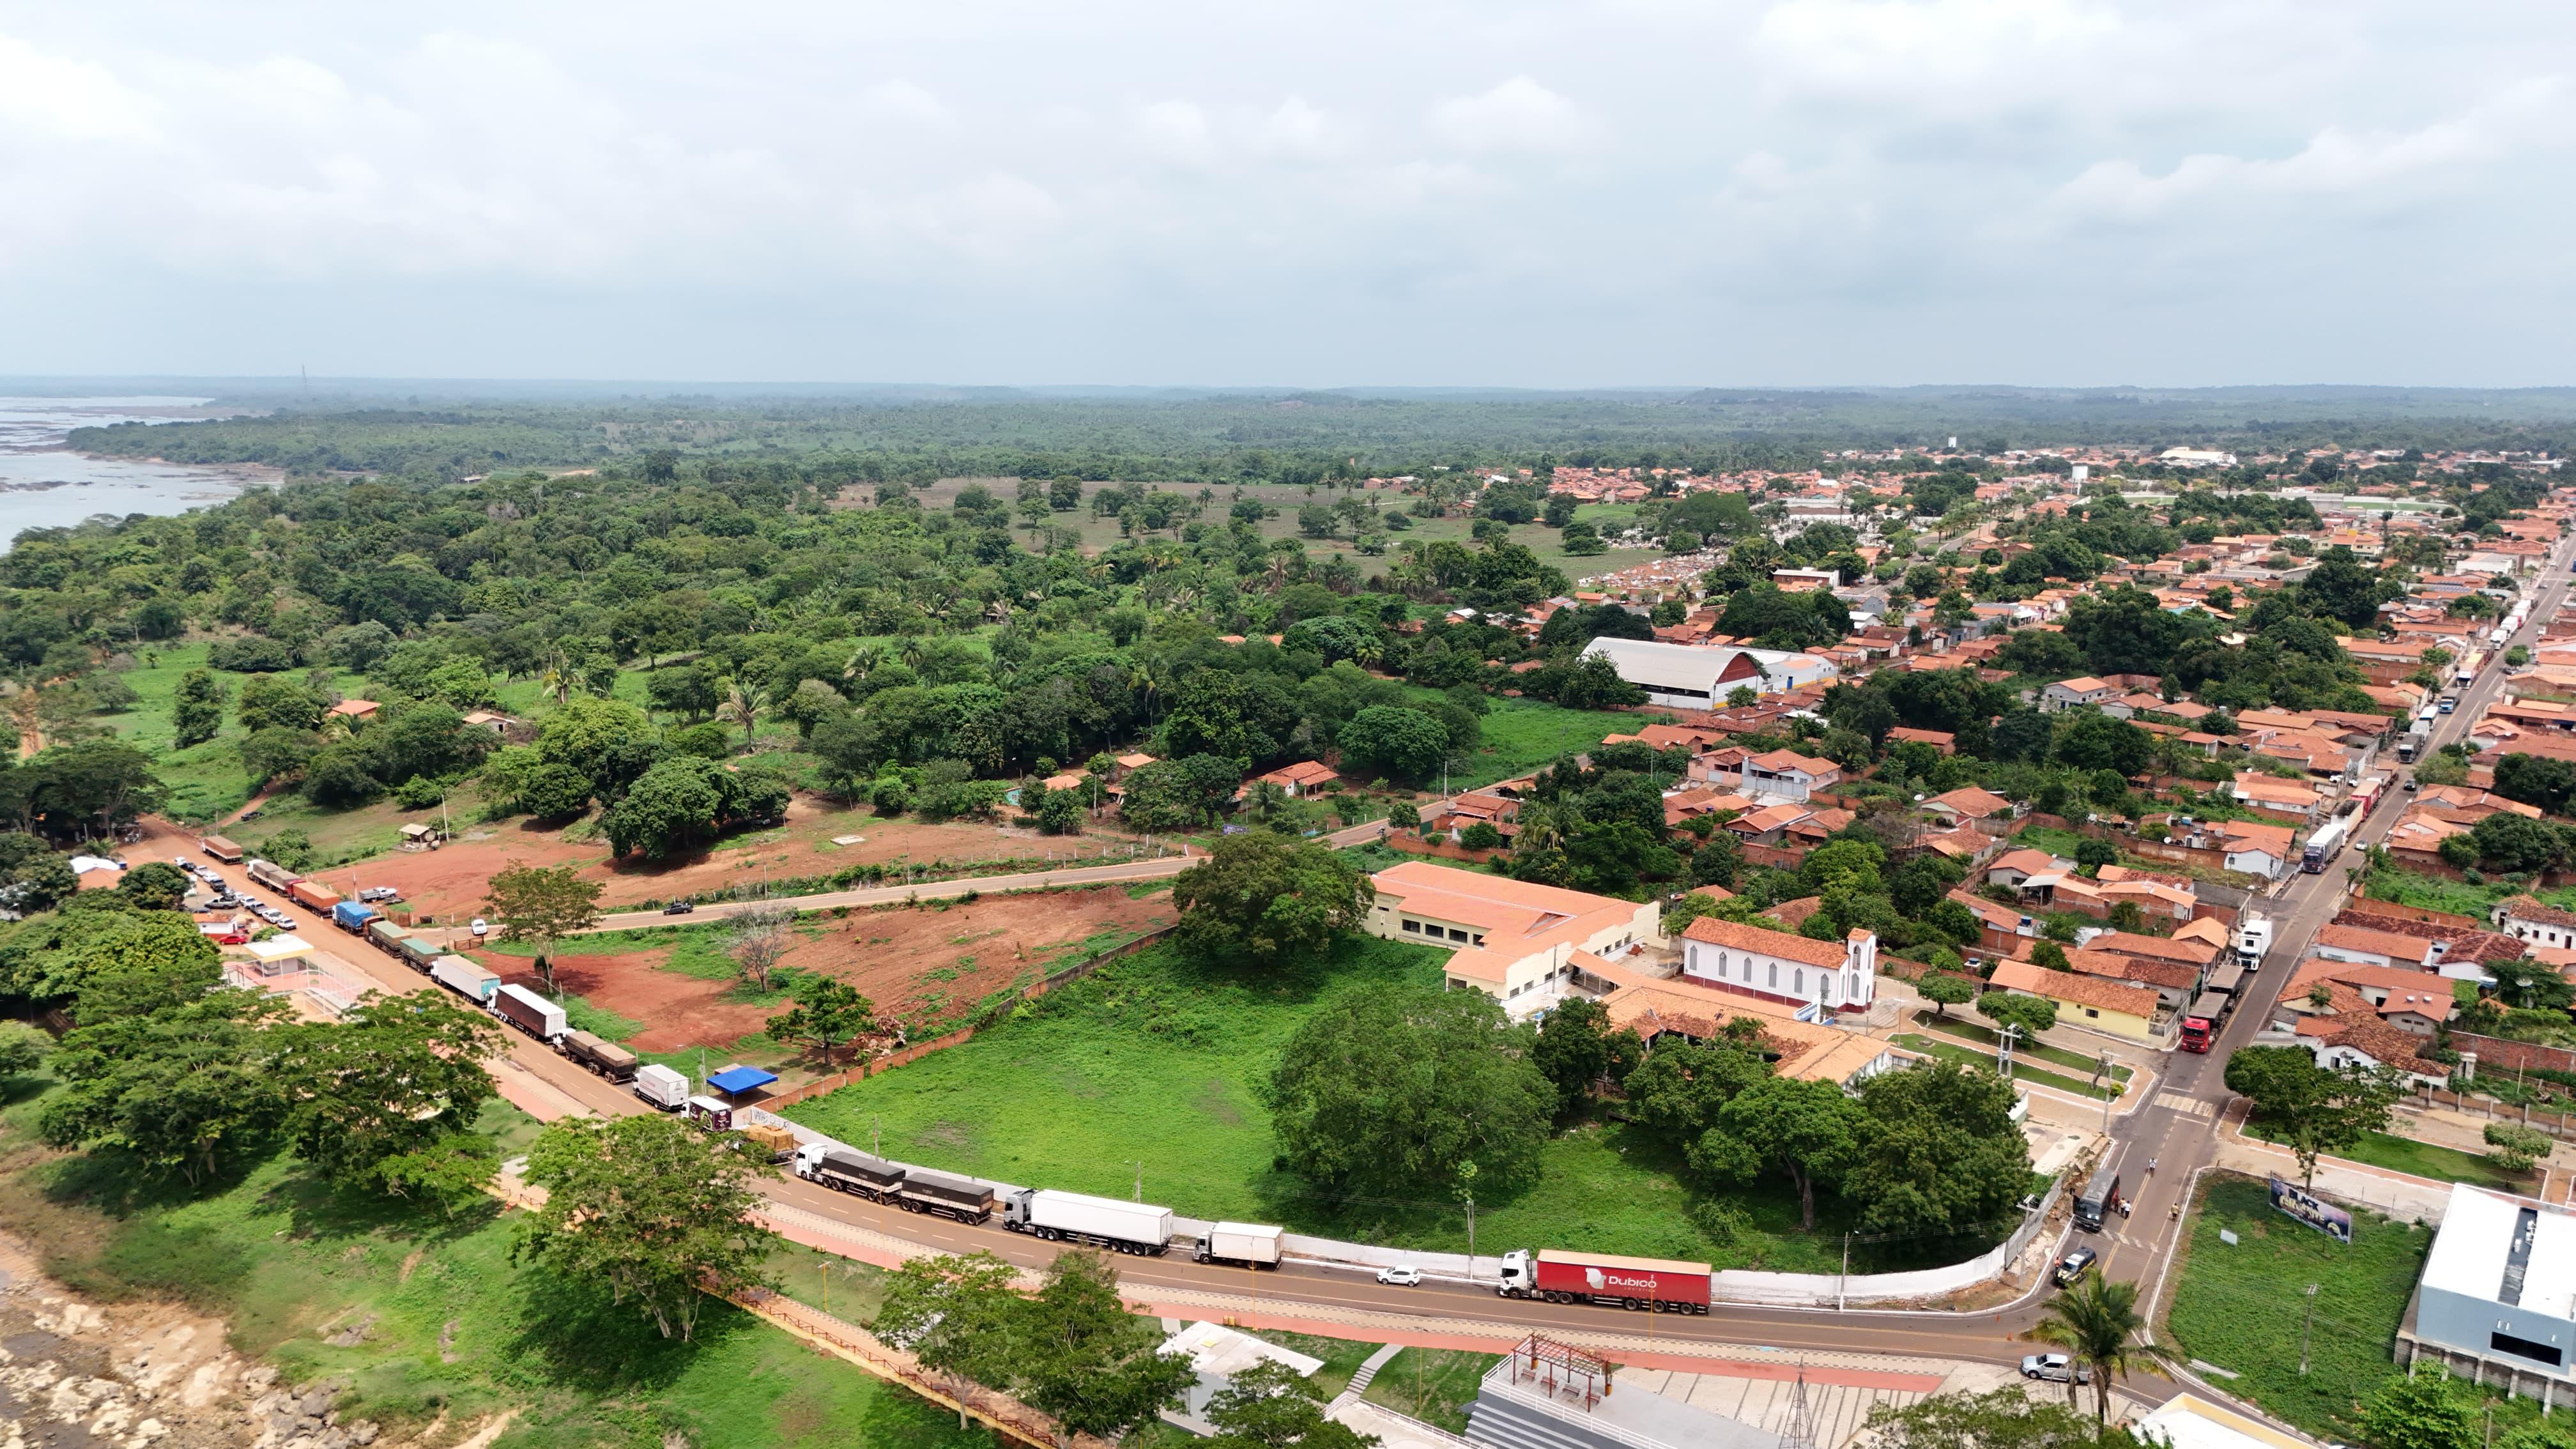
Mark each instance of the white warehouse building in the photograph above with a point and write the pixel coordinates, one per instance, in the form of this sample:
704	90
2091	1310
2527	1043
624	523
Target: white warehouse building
1701	676
2498	1295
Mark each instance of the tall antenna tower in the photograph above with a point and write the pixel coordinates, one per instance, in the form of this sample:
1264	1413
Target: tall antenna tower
1800	1430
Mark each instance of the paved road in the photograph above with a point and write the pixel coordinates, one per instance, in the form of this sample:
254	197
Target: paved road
1131	870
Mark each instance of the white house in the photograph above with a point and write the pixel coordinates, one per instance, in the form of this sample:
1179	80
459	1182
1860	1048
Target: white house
1701	676
1776	966
2262	850
1788	775
2068	693
2526	919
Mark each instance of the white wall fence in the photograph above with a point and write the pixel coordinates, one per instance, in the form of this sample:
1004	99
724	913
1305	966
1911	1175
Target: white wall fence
1737	1286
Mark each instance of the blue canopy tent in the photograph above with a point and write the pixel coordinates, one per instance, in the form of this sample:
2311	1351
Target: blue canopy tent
734	1081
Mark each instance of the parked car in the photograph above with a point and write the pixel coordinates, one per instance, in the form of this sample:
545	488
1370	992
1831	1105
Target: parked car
2054	1368
679	908
480	927
2072	1266
1405	1277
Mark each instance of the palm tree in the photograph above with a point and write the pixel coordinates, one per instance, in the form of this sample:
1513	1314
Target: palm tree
864	661
741	706
2097	1322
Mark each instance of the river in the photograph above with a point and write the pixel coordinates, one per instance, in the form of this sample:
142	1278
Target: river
45	485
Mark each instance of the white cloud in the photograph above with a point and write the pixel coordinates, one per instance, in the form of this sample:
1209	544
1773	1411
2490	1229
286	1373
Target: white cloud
1768	190
53	97
2374	169
1517	115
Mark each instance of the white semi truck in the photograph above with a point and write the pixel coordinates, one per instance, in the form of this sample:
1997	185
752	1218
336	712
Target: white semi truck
2253	941
1255	1244
1101	1222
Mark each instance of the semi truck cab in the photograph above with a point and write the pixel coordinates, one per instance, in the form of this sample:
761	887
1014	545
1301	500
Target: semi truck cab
1520	1275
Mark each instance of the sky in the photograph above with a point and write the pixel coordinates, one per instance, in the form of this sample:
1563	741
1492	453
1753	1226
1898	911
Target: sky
1635	192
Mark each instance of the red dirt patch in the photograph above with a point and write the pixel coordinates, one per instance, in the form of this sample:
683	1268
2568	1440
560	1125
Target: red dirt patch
924	965
676	1011
448	883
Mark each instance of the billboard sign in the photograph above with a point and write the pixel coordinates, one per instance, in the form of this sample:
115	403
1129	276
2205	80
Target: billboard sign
2315	1211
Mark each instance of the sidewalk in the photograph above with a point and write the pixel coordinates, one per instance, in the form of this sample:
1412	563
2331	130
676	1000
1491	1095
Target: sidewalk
2393	1194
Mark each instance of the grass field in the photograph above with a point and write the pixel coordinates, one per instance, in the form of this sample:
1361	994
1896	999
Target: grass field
2239	1305
1152	1063
449	1325
1950	1051
1985	1036
2424	1159
1434	1385
1526	735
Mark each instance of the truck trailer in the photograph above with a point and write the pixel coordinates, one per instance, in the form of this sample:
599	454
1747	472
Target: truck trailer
661	1086
946	1195
1662	1284
419	953
530	1013
313	894
384	935
604	1057
2325	845
843	1169
221	849
712	1113
1251	1244
465	979
351	917
2253	941
269	873
1102	1222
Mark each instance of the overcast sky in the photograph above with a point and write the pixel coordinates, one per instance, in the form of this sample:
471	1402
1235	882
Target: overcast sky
1321	193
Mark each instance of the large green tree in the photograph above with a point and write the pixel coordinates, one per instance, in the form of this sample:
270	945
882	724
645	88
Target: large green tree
672	810
2313	1110
1807	1131
1262	897
1939	1150
541	905
1577	1049
393	1077
1396	1091
649	1207
185	1089
1088	1361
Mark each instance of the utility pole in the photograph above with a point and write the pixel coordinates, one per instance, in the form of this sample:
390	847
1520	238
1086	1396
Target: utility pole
1140	1181
1842	1284
2310	1319
2107	1097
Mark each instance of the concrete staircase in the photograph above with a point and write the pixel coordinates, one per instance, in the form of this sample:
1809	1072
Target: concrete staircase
1368	1371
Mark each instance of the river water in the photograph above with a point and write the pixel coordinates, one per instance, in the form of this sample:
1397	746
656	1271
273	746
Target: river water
45	485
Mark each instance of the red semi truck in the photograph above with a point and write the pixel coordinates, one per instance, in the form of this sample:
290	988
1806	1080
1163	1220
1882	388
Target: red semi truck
1607	1279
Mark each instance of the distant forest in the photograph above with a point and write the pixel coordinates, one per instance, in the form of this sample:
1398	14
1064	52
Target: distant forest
1298	437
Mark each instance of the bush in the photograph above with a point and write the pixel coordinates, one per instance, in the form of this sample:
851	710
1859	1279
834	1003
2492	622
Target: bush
251	656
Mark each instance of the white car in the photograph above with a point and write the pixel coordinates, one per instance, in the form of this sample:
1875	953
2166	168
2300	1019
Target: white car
1401	1277
2055	1367
480	926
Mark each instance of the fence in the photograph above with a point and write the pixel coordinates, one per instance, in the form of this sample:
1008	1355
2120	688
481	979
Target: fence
2499	1052
969	1399
915	1051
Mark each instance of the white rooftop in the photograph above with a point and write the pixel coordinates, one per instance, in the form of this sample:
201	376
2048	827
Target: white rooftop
278	948
2476	1243
1216	1349
2187	1422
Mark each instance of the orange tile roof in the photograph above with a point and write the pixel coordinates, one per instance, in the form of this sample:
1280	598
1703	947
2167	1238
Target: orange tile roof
1770	943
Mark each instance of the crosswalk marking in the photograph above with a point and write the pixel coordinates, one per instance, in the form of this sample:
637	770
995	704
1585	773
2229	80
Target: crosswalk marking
2188	1106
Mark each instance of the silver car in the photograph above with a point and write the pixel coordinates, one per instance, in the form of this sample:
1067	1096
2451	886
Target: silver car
2054	1368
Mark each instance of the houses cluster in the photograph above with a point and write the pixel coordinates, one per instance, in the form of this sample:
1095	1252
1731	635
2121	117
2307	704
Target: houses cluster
2381	980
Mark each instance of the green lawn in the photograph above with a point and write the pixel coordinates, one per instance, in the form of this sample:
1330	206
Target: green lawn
1985	1036
447	1325
2239	1305
1154	1061
1523	736
1951	1051
2424	1159
1434	1385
